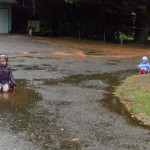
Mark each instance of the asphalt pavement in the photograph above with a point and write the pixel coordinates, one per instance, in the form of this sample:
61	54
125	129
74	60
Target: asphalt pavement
65	102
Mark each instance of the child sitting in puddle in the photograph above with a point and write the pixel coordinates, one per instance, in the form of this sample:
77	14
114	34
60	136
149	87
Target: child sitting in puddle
7	80
144	66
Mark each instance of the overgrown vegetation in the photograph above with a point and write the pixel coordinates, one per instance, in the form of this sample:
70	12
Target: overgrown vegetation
95	17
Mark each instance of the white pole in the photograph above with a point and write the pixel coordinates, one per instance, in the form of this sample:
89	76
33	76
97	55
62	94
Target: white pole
121	41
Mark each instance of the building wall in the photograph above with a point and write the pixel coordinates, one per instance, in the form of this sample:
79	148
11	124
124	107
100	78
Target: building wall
5	18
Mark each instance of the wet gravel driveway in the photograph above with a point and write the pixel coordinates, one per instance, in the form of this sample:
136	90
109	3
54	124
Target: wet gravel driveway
70	108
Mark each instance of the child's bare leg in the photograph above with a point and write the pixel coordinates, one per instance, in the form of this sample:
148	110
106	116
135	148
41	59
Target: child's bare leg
5	87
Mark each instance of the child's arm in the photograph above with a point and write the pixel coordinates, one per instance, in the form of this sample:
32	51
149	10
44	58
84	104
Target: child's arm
12	80
148	66
139	66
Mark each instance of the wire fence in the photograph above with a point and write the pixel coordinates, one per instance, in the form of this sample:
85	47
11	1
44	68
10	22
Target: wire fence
80	31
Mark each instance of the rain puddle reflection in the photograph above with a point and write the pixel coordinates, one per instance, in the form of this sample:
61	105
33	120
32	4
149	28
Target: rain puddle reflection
18	100
112	102
14	107
113	80
19	113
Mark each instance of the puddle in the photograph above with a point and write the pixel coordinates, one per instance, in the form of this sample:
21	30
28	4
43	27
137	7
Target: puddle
112	102
109	100
32	57
92	52
34	52
96	82
33	68
15	106
108	63
19	66
19	100
28	67
114	60
18	110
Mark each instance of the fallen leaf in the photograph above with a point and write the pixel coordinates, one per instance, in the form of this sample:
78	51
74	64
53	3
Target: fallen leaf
75	140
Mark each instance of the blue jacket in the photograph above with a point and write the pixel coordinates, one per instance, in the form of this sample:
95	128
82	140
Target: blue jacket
144	63
6	75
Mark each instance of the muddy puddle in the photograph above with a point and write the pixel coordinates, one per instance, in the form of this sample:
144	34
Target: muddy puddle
110	101
92	52
20	114
15	106
20	99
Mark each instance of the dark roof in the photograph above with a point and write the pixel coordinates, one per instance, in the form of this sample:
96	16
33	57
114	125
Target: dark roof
8	1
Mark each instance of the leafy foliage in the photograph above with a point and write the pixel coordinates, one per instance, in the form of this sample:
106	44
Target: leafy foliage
111	16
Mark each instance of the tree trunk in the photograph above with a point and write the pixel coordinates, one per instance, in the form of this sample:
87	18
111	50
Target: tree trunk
141	35
142	29
33	7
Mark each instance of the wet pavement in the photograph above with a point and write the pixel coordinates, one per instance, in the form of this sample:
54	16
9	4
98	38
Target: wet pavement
66	102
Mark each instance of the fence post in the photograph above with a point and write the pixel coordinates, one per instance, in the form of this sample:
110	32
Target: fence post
104	37
121	41
79	32
60	30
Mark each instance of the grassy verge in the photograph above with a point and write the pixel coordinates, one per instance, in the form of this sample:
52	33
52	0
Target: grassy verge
134	93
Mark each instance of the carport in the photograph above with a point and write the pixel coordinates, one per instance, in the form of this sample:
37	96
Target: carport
5	15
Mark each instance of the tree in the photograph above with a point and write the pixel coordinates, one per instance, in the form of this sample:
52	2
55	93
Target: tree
110	16
122	15
142	24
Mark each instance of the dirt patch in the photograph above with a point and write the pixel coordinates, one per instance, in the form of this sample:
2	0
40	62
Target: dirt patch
79	48
70	53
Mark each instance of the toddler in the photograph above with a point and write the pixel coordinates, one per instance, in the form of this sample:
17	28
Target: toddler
7	80
144	66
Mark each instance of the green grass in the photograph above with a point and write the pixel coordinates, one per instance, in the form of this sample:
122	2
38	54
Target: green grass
134	92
